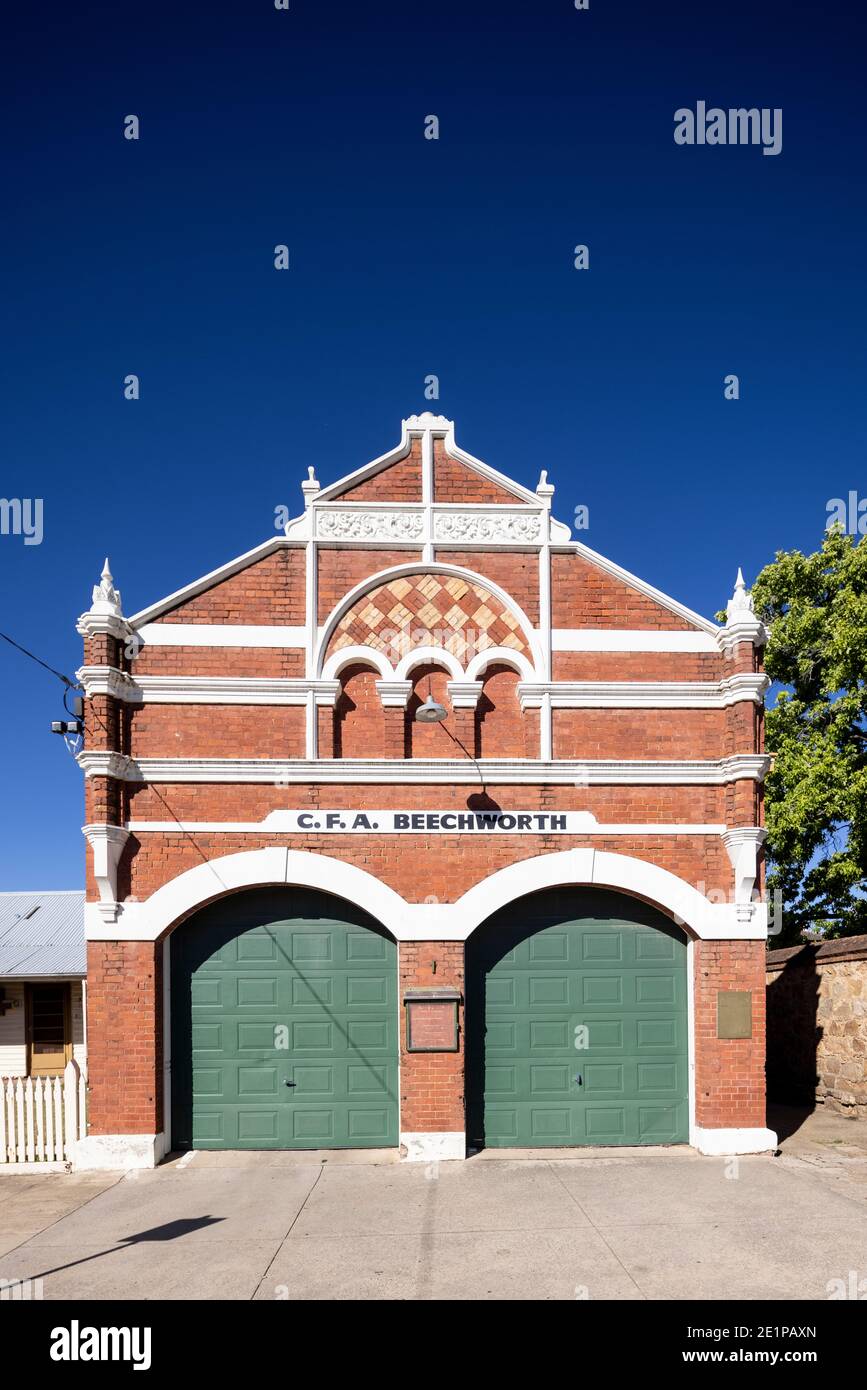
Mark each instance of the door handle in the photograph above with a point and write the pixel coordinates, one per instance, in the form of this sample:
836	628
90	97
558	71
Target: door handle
290	1083
578	1079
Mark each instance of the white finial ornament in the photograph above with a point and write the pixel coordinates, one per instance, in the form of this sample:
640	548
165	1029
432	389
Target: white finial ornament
310	487
106	598
741	600
544	489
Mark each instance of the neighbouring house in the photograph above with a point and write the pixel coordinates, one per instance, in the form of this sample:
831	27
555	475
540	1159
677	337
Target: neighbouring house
42	982
422	825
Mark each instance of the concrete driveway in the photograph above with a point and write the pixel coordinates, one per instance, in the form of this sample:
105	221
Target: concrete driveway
609	1224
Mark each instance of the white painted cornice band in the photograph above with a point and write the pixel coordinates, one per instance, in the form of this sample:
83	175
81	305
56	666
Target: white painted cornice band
645	694
100	763
147	921
95	624
252	690
205	690
105	680
563	639
590	772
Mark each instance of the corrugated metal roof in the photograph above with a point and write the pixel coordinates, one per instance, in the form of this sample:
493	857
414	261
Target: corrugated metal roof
42	934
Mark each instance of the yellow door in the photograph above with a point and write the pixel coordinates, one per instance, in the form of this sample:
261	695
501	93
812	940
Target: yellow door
49	1034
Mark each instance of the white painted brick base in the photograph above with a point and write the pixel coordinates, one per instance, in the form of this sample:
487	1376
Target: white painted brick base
426	1148
118	1151
733	1141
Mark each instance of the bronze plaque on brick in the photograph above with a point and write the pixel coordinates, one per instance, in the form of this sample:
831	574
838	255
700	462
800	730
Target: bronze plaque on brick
432	1020
734	1013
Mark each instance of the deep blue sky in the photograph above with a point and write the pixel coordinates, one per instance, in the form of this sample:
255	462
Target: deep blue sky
411	257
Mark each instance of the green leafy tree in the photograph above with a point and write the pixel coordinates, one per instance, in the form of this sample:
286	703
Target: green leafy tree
815	608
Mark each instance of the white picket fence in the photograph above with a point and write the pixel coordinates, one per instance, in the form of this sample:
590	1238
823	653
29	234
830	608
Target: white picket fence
41	1117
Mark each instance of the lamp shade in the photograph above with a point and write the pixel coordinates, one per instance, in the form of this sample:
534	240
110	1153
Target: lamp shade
431	712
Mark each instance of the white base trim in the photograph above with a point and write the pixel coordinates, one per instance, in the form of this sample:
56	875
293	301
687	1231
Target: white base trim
429	1148
721	1142
118	1151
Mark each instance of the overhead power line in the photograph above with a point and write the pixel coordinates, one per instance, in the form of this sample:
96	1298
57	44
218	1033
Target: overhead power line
59	674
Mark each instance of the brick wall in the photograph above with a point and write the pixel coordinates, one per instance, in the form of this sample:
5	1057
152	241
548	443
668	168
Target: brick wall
401	482
340	571
416	866
583	595
729	1072
216	731
454	482
639	733
124	1037
218	661
270	591
431	1083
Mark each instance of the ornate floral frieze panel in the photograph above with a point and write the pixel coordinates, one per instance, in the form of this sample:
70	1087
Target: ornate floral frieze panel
346	525
505	528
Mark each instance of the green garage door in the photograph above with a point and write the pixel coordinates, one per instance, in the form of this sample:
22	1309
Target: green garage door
284	1025
577	1024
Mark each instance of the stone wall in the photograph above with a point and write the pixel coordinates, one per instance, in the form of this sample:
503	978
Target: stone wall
817	1025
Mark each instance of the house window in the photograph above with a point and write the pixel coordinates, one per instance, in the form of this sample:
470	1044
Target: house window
49	1039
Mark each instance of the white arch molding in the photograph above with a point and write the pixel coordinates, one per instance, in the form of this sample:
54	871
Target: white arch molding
169	905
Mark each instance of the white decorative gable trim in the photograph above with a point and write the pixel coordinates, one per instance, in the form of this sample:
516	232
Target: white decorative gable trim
371	524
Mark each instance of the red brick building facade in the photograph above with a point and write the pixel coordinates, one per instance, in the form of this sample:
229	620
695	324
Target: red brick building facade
257	731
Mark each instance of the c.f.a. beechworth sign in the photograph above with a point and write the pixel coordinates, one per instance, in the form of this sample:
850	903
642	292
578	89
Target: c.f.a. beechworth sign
355	822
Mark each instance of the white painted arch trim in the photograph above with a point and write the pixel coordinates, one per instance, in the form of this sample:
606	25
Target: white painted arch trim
420	656
430	567
351	656
348	656
168	905
500	656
